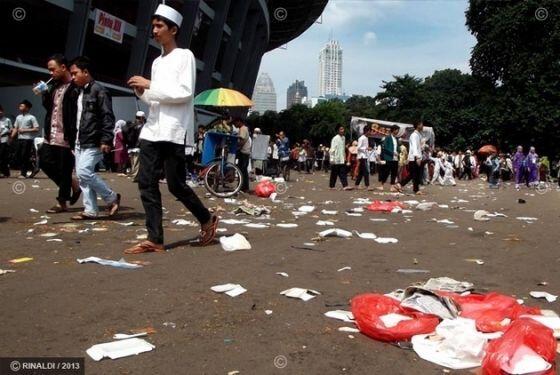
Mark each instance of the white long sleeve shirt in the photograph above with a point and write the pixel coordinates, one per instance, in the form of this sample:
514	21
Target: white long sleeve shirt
415	146
363	145
170	97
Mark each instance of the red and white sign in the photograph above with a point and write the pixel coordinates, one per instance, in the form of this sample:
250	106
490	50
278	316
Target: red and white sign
108	26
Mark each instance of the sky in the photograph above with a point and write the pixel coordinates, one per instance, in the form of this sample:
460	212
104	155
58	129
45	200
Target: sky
379	39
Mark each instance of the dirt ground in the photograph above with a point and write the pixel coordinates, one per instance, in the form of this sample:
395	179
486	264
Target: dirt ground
53	306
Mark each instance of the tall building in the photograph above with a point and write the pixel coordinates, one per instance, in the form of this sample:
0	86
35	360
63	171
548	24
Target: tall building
295	94
330	69
264	95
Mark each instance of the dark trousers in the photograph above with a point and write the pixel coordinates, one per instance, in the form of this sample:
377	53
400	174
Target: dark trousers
371	168
57	163
23	155
338	170
243	164
4	159
362	172
157	158
467	171
415	174
390	168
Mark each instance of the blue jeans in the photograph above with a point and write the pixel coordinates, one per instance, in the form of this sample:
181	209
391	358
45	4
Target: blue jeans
90	182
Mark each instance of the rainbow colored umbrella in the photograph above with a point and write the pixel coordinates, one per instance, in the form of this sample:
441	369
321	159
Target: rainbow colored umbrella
222	98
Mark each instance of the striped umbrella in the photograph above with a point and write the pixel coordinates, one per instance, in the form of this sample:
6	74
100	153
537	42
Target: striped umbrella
222	98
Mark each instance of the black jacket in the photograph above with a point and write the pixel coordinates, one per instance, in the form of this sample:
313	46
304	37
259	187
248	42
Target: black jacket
69	106
97	123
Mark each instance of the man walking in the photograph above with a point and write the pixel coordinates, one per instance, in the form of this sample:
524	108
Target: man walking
243	152
163	137
56	158
5	133
415	159
363	150
26	128
337	160
95	122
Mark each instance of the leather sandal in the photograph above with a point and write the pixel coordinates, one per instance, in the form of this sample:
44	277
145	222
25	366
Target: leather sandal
56	210
145	247
83	216
208	231
113	208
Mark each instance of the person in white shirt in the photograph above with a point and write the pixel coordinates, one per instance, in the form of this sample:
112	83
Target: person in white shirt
415	158
169	126
5	134
363	150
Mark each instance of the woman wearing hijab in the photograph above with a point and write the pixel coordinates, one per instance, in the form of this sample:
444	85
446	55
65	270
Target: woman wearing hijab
121	153
518	169
533	167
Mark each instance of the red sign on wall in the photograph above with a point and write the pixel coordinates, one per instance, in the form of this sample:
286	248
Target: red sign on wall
108	26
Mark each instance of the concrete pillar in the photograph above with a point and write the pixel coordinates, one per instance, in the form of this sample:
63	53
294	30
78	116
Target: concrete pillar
189	12
230	55
247	41
140	44
77	28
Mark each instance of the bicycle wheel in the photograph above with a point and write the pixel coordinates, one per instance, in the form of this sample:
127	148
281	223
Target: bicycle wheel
222	179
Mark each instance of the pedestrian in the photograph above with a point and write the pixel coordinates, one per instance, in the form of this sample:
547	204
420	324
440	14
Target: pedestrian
119	147
55	156
302	159
131	135
518	169
338	160
95	122
467	166
390	155
415	159
353	159
319	157
169	127
5	132
372	155
26	129
363	150
243	152
532	167
403	163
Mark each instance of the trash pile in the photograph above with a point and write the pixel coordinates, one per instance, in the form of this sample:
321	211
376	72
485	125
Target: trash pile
446	323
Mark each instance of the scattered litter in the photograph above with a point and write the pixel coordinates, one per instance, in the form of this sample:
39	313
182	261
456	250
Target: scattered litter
107	262
429	302
348	329
127	224
521	201
353	214
268	312
527	219
343	315
303	294
447	284
54	240
287	225
33	210
379	206
21	260
411	270
257	225
124	336
426	206
232	290
335	232
366	236
309	243
251	210
552	322
306	209
481	215
169	324
344	269
329	212
50	234
385	240
284	274
184	222
3	272
140	236
470	229
42	222
392	320
477	261
456	344
444	221
378	220
235	242
324	223
234	221
119	349
549	297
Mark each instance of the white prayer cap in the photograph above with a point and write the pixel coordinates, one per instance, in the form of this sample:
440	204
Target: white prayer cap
169	13
257	130
140	114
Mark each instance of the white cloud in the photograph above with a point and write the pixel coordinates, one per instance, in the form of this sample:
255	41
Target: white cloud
369	38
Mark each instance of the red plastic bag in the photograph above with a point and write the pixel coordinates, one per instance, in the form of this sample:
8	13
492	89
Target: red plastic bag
265	188
490	310
523	331
368	308
384	206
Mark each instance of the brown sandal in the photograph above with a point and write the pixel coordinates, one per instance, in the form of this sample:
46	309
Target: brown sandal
208	231
56	210
145	247
83	216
